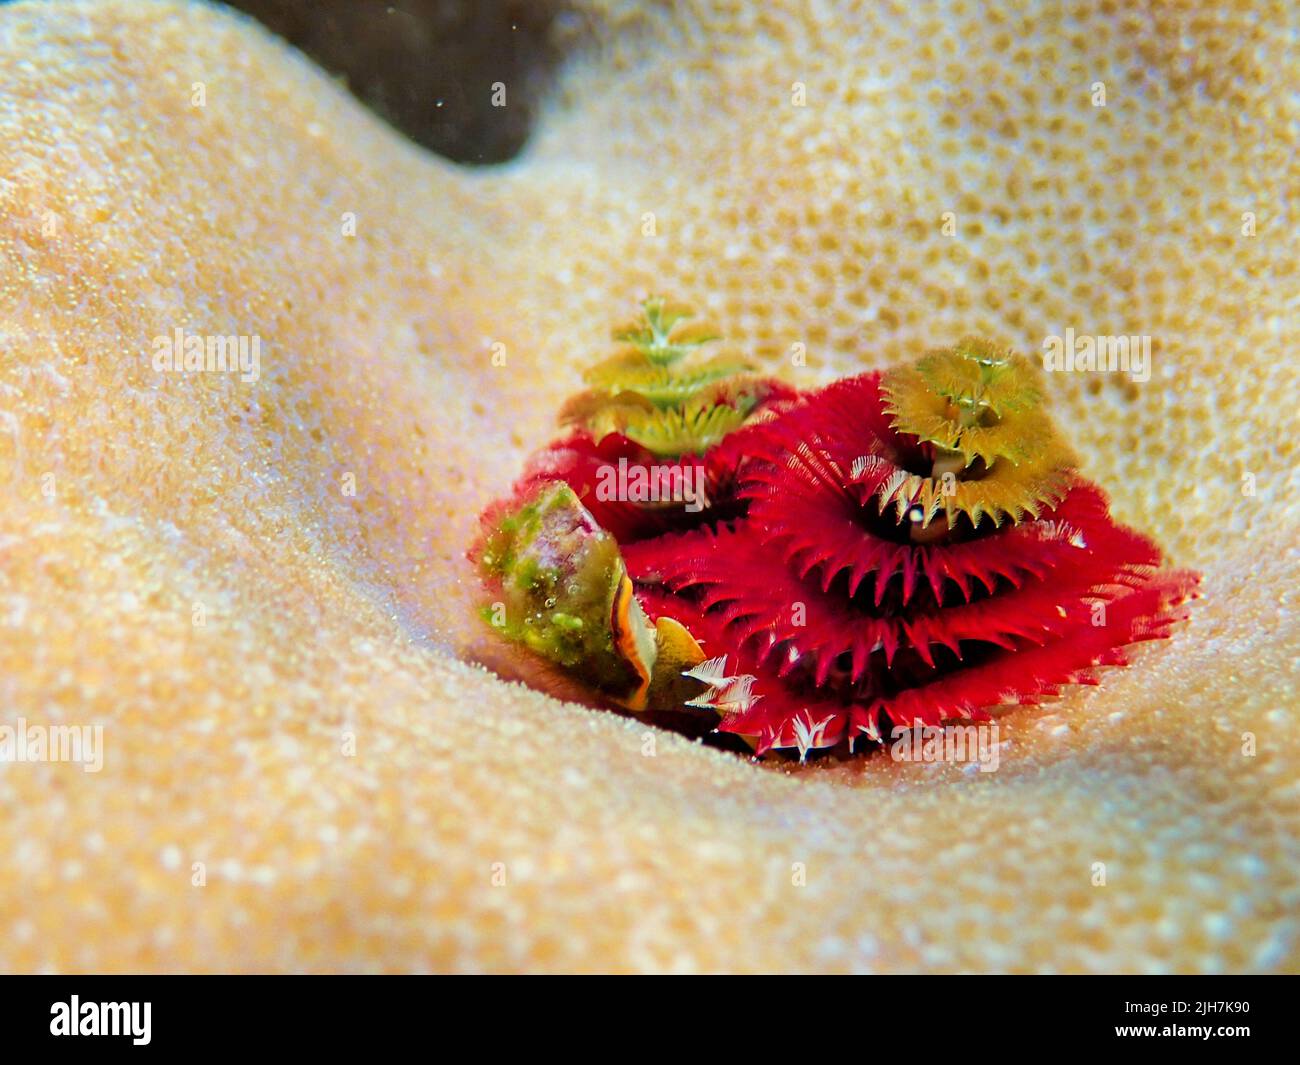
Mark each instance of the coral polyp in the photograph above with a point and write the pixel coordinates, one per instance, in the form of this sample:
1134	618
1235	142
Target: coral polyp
913	547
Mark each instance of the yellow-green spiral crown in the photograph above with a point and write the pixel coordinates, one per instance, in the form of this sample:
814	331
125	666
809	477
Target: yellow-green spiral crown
997	453
658	391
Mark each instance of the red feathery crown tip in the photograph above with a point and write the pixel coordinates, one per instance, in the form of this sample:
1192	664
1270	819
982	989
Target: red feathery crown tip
912	547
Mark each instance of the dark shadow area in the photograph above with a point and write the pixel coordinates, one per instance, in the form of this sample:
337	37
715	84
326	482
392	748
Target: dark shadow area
431	68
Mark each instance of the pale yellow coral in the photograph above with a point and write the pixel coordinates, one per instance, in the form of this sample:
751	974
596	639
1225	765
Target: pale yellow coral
258	588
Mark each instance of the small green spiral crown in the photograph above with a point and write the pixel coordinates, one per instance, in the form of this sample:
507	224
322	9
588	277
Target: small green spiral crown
658	389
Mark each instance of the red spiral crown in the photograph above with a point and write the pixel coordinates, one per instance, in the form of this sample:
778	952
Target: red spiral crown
916	547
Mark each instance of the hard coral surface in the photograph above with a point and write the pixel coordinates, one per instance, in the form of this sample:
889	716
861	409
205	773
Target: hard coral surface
479	825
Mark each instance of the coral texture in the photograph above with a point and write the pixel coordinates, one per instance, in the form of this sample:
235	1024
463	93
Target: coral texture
480	825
